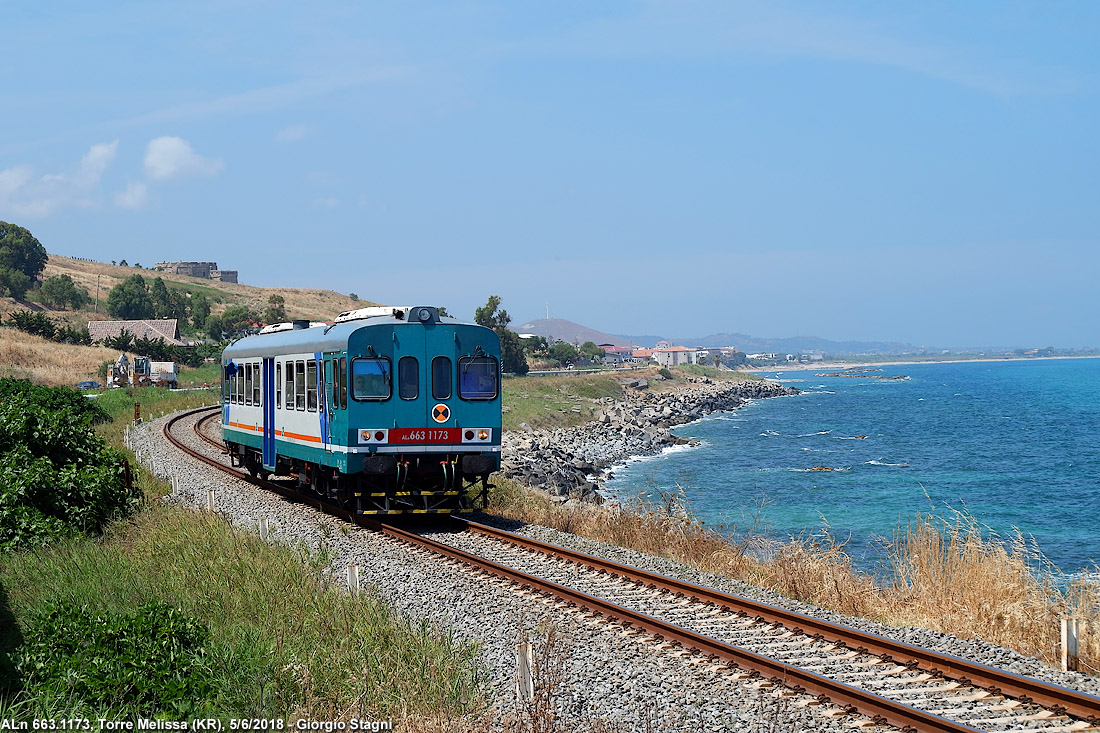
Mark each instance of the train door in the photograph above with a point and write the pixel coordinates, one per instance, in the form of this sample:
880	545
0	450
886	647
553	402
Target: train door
267	406
411	378
439	348
329	403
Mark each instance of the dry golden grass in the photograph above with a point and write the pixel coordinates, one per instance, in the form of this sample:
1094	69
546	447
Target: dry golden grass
44	362
944	574
314	304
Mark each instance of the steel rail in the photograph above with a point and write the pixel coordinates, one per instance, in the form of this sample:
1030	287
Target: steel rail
1025	689
999	682
850	698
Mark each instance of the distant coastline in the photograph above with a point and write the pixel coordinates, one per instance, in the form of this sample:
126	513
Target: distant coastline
840	365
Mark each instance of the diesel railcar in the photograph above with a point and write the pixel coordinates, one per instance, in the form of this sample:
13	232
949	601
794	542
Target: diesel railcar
384	411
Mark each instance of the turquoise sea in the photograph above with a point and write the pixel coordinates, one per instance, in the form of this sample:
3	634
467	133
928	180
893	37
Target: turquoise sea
1016	444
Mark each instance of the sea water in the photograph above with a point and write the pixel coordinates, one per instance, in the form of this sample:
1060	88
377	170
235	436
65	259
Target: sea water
1015	444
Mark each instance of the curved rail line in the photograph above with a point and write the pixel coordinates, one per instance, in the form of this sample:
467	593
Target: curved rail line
881	709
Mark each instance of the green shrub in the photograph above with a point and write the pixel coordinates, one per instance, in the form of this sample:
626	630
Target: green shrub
148	662
33	322
54	399
664	372
57	476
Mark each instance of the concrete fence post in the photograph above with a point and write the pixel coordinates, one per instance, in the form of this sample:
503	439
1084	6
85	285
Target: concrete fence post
525	681
353	580
264	532
1070	631
210	500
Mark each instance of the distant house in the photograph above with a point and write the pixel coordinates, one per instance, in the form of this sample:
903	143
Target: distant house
642	354
613	354
166	329
674	355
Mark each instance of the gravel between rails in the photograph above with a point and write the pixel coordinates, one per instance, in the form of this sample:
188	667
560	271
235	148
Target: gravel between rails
973	649
610	676
911	687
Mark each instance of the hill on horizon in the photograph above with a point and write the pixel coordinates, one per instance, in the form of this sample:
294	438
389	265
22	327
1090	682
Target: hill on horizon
564	330
307	303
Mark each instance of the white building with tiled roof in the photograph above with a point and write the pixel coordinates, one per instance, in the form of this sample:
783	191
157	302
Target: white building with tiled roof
674	355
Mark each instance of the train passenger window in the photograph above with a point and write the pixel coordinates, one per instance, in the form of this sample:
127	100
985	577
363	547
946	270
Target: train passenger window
299	385
478	377
370	379
343	383
408	378
441	378
311	385
248	384
278	385
256	384
238	385
289	386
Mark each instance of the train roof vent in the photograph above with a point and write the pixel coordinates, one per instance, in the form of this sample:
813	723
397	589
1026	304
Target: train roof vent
376	311
286	326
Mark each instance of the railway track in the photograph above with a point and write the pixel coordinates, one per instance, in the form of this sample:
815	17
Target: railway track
853	671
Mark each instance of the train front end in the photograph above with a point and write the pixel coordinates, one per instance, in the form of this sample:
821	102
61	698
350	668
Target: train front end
424	414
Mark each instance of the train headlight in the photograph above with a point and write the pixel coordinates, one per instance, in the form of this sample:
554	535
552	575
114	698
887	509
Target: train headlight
424	314
378	435
477	435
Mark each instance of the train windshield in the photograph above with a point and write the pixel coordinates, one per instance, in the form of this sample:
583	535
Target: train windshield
370	379
478	377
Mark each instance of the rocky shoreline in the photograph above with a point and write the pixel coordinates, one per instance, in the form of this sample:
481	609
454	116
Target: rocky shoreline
563	461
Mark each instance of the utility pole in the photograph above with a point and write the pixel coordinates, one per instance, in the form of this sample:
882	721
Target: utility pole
548	311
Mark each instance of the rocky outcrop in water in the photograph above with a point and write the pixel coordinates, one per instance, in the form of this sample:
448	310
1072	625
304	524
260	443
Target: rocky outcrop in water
562	462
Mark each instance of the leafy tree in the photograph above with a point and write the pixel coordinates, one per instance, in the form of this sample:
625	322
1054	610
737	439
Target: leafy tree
590	350
13	282
130	300
20	254
353	296
276	310
536	345
167	303
60	291
123	263
234	323
200	310
512	358
490	317
564	352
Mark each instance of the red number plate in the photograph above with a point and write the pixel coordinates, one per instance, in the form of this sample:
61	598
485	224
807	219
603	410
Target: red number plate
425	435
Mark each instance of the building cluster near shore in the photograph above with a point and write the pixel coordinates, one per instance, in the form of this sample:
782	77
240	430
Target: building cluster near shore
667	354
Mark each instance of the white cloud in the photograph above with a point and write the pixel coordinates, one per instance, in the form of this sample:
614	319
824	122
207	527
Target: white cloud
13	179
291	134
135	196
173	157
24	194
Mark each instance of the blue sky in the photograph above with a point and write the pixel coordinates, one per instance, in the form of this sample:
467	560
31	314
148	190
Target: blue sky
925	172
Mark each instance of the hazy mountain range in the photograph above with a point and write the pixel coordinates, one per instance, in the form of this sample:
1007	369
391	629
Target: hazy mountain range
563	330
